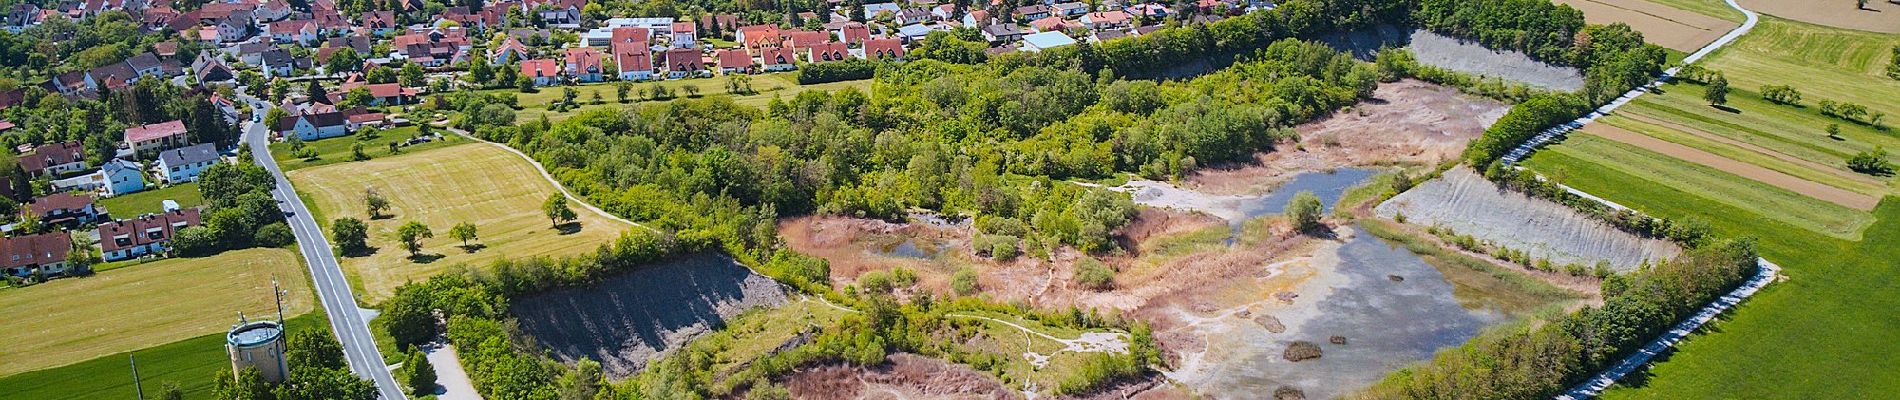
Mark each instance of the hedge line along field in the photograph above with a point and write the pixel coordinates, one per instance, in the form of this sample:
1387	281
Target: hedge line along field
1835	299
1585	154
476	183
70	320
1824	63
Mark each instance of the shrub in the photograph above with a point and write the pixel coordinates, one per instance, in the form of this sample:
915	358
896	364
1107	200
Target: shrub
1100	370
1871	162
1304	210
964	282
847	70
1301	350
275	235
1091	274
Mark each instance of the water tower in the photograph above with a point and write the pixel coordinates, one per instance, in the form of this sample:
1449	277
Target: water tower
260	344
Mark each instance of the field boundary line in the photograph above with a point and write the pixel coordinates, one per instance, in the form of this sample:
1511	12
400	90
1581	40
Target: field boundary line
550	178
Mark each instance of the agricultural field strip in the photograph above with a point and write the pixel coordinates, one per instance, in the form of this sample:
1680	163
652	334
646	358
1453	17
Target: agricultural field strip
1525	149
1786	130
1763	275
1817	190
1832	175
550	177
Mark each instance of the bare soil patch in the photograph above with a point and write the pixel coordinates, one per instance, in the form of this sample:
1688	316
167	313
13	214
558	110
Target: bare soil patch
1795	184
1660	24
902	376
1408	121
637	316
1878	16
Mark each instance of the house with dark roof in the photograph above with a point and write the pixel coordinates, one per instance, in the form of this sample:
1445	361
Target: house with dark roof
63	208
54	159
38	254
1002	33
681	63
118	176
185	163
146	234
313	126
210	69
147	140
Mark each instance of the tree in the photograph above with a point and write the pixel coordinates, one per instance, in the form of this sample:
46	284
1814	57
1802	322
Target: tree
375	203
464	232
382	74
1834	131
556	209
344	60
1871	162
621	89
349	234
172	392
691	90
275	116
356	152
412	75
1781	94
581	383
411	235
417	373
480	73
314	349
524	84
1717	92
1893	64
1304	210
248	385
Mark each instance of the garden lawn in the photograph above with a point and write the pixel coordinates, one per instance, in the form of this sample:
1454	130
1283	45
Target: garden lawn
337	149
477	183
1822	62
152	201
75	319
1582	155
191	363
1826	332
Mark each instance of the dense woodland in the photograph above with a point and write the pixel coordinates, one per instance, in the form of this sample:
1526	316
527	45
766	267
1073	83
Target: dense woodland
1003	142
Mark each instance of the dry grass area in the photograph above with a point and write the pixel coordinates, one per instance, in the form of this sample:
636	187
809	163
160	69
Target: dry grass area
1878	16
902	376
1660	24
487	186
1406	122
76	319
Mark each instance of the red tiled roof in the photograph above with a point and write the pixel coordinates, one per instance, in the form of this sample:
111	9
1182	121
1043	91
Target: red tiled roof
683	27
543	68
684	60
38	249
145	230
146	133
734	59
878	49
629	35
632	57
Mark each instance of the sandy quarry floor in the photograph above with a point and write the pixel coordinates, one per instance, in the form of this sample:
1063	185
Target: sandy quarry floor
1805	187
1880	16
1407	121
1663	25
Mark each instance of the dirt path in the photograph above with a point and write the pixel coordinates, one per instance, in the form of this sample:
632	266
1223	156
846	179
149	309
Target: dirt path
1751	171
1758	149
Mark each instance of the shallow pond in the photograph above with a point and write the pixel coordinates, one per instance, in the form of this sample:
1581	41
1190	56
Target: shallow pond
1390	306
1327	185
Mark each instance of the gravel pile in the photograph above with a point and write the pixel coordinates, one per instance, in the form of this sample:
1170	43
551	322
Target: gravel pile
1468	204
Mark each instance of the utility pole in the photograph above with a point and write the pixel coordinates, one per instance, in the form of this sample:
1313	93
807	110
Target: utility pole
279	292
136	387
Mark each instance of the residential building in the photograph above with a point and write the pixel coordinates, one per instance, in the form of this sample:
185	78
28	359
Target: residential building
63	208
883	49
1070	9
1034	12
685	35
853	33
734	61
37	254
185	163
55	159
146	234
1002	33
827	52
147	140
634	61
210	69
299	31
775	59
583	64
683	63
510	49
543	72
1106	19
378	23
1046	40
909	16
313	126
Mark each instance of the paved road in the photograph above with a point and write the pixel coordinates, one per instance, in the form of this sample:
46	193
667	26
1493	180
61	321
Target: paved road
346	319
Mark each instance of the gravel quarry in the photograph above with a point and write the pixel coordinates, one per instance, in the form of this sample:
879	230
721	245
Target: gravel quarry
1458	55
1468	204
635	317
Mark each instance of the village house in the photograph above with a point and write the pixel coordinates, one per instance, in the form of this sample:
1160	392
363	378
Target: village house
43	254
1106	19
853	33
583	64
1069	9
314	126
299	31
118	176
1046	40
510	49
683	63
543	72
185	163
775	59
54	159
826	52
1002	33
734	61
146	234
63	208
882	49
685	35
378	23
148	140
634	61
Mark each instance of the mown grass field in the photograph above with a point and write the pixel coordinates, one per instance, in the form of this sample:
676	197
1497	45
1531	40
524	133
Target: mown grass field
477	183
764	88
152	201
1582	155
1823	62
337	149
76	319
192	364
1795	131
